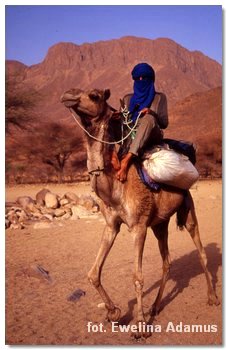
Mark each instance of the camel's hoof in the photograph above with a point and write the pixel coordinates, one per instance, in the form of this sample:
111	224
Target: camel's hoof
213	300
142	331
113	315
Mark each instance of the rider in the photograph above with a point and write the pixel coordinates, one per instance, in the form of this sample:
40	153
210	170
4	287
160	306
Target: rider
152	108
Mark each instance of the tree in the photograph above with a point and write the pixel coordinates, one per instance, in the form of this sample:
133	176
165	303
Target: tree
20	106
54	145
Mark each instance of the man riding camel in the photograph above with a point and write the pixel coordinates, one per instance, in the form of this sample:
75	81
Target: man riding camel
152	108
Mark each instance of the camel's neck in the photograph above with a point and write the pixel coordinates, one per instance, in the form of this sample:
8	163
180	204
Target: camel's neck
98	162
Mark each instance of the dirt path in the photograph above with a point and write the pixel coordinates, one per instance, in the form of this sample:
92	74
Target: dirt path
38	311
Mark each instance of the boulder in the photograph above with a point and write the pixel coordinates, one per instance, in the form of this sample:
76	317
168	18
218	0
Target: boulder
63	201
59	212
87	202
51	200
26	202
79	212
40	196
72	197
67	216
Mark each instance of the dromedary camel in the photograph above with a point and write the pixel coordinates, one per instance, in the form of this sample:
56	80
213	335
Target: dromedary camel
130	202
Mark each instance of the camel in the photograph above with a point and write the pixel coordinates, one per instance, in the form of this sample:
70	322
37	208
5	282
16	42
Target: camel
130	202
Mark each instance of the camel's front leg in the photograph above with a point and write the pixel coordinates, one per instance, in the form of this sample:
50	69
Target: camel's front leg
139	240
94	275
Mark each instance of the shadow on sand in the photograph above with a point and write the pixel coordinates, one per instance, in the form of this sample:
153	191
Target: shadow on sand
190	265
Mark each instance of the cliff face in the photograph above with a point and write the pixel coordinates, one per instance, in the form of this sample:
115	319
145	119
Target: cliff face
108	64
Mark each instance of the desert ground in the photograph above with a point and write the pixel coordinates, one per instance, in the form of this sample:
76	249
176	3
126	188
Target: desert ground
39	311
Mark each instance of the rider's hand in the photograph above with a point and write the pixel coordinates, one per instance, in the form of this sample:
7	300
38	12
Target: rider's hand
145	111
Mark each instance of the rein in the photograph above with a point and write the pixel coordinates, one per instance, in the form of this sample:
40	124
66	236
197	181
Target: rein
109	142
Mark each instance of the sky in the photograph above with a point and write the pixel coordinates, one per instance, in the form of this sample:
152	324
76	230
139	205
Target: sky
32	29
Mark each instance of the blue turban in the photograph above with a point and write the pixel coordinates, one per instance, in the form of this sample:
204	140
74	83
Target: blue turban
144	90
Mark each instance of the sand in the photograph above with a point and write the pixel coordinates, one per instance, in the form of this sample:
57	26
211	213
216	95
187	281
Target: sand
38	310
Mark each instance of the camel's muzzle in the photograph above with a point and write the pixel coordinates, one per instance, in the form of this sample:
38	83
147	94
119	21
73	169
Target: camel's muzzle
70	99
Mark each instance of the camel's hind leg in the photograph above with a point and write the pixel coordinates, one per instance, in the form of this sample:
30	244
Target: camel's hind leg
161	233
94	275
187	217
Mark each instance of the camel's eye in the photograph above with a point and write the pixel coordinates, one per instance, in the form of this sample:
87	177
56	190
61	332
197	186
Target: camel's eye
94	97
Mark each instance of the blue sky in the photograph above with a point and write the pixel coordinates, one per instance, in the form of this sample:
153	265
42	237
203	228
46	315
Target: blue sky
31	30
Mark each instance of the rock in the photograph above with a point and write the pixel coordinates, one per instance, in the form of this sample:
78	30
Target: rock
79	212
51	200
22	215
72	197
40	196
37	215
102	306
45	210
41	225
17	226
95	209
48	216
59	212
26	202
87	201
7	223
64	201
13	218
67	216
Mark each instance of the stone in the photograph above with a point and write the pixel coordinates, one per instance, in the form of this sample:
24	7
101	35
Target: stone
59	212
42	225
7	223
51	200
26	202
67	216
48	216
63	201
79	211
13	218
87	201
72	197
40	196
17	226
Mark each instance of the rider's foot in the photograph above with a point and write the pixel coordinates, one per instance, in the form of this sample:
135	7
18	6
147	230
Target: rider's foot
122	173
115	161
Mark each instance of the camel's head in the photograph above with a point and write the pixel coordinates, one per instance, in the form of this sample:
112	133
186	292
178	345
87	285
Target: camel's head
87	104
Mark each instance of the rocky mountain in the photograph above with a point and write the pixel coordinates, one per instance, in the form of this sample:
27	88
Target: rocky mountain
108	64
191	81
198	119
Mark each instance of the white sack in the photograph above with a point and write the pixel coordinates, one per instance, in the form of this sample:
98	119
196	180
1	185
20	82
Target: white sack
171	168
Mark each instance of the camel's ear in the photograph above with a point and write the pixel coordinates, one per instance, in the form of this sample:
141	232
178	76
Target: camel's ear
106	94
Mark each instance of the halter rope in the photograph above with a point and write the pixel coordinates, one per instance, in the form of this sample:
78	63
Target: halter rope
108	142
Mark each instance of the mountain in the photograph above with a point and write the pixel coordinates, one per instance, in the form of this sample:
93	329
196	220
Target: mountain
108	64
191	81
198	119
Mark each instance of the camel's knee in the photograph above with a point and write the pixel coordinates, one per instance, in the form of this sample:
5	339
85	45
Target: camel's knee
138	282
93	277
192	227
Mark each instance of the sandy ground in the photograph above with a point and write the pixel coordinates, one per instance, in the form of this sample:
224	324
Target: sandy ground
38	311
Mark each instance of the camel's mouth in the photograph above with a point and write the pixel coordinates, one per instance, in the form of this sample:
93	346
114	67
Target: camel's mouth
69	101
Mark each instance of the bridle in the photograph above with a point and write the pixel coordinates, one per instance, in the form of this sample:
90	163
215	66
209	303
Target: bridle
125	122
